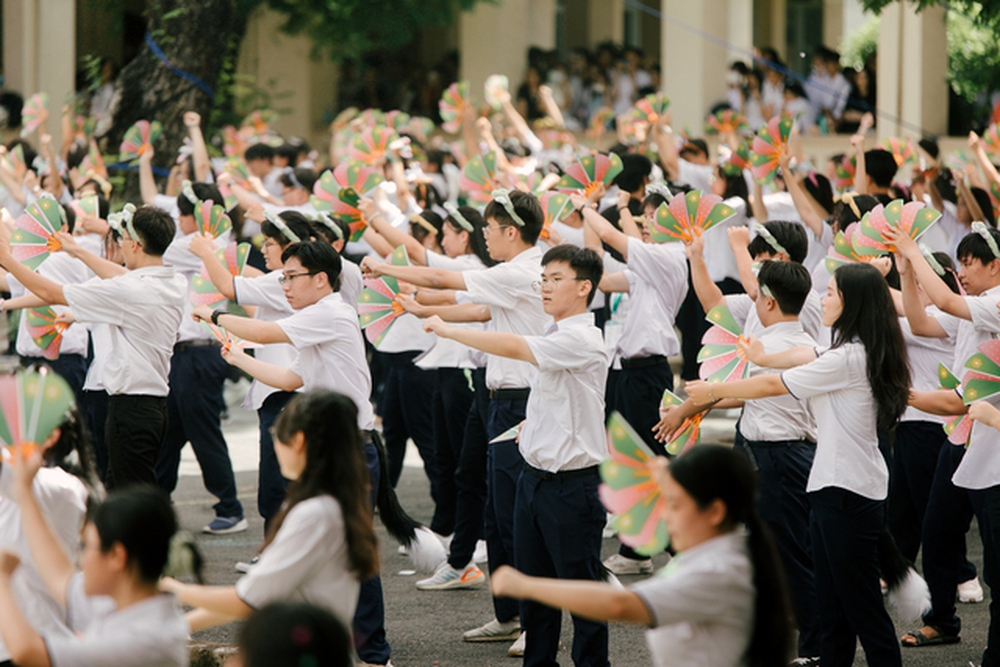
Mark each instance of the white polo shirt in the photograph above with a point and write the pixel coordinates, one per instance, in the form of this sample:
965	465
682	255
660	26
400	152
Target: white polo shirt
266	294
564	425
446	353
719	257
144	309
657	276
510	290
810	318
847	454
65	270
925	354
331	352
189	265
351	282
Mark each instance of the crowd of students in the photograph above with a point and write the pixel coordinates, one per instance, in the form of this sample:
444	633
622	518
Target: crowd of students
520	329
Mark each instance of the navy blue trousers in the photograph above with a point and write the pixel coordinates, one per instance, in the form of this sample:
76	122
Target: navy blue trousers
470	476
134	434
986	504
94	406
271	486
405	398
369	616
452	398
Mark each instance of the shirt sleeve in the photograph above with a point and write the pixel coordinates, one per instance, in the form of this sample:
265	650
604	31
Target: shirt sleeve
498	286
98	300
309	326
560	351
660	265
984	314
696	596
259	291
740	306
826	374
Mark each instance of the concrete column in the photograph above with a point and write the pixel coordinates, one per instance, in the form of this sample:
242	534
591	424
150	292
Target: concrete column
542	24
494	39
833	23
741	27
606	21
694	67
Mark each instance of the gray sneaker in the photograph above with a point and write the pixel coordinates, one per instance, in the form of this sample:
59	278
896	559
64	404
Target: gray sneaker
495	631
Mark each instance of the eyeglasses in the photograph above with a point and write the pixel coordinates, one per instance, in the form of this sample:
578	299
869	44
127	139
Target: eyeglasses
550	283
288	277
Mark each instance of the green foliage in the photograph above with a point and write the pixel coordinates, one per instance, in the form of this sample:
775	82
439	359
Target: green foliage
985	12
857	48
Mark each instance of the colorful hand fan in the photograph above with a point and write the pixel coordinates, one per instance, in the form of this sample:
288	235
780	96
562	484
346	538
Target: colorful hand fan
400	257
138	139
233	257
651	107
958	161
33	240
913	217
986	360
378	307
957	428
258	123
86	206
842	251
452	104
555	205
721	357
372	144
83	127
34	113
991	140
32	405
509	434
947	379
13	161
630	492
372	117
765	151
92	163
733	162
397	120
204	293
478	177
340	190
228	339
420	126
726	120
494	88
688	216
844	173
228	197
237	168
901	149
589	172
688	433
599	121
45	331
233	143
211	219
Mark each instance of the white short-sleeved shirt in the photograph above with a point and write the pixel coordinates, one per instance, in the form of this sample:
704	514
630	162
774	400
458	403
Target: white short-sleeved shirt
719	257
179	256
811	316
100	337
331	352
698	176
144	308
151	633
351	282
446	353
307	561
702	604
780	417
64	270
509	289
265	293
564	425
847	454
657	276
925	354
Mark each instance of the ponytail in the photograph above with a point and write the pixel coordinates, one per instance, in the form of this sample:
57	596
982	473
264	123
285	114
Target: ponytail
74	453
771	641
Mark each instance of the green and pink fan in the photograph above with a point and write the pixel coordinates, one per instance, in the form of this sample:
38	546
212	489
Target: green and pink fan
651	107
599	121
478	177
204	293
233	143
842	251
688	433
957	428
914	218
92	163
86	206
229	340
13	161
34	113
46	333
233	257
902	150
228	198
372	144
630	492
765	151
211	219
991	140
982	380
138	139
451	105
340	191
420	127
256	127
958	161
378	303
237	168
494	88
372	117
733	162
555	205
844	172
725	121
34	239
83	127
721	357
397	120
588	173
689	216
32	405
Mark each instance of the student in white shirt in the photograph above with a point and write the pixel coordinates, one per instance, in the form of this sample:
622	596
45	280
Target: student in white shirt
336	232
559	518
143	303
859	384
322	544
721	600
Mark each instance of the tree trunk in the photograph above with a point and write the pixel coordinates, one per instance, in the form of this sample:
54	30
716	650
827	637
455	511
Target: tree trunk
196	36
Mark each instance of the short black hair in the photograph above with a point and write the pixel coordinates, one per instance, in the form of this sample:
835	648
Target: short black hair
141	519
818	186
653	199
299	177
635	168
259	151
70	215
321	230
790	235
297	224
586	264
316	257
974	246
287	151
985	204
789	284
527	207
290	634
204	192
880	166
156	229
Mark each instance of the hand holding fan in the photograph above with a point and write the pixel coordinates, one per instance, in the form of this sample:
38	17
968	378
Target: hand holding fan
688	433
651	107
478	177
211	219
34	239
555	205
914	218
765	155
138	139
233	143
452	104
733	162
237	168
204	293
372	144
86	206
726	121
32	405
233	257
494	88
93	162
339	191
721	357
630	492
901	149
13	161
588	173
991	140
83	127
379	307
46	333
228	340
34	113
842	251
844	172
688	216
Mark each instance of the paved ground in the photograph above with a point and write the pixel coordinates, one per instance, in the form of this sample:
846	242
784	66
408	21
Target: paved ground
425	627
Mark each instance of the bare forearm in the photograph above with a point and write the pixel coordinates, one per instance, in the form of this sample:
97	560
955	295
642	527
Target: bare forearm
47	290
100	266
220	276
25	645
217	600
590	599
708	293
424	276
435	297
499	343
761	386
944	402
52	563
257	331
147	184
270	374
463	312
796	356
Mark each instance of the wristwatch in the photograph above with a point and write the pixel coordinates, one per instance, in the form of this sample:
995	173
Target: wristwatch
218	312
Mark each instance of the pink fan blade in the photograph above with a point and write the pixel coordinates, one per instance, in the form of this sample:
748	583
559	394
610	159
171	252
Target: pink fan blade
381	287
718	336
962	427
710	366
375	330
991	349
619	501
678	208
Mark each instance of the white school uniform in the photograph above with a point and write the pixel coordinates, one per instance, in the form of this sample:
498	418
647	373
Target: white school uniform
179	256
698	176
564	425
64	270
847	454
446	353
511	291
144	308
702	604
351	282
719	257
811	318
657	278
306	562
266	294
925	354
331	352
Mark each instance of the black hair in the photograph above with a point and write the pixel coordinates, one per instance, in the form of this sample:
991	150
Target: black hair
306	178
975	246
335	466
70	215
790	235
297	223
930	146
950	278
789	283
141	519
713	472
736	185
880	166
694	146
795	89
204	192
818	186
869	315
290	634
419	232
259	151
316	257
103	206
477	242
844	215
287	151
320	230
653	199
156	229
585	263
635	170
985	204
527	208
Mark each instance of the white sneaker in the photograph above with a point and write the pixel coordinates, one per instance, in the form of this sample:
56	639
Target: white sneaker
245	565
446	577
480	555
516	649
608	531
495	631
619	564
970	591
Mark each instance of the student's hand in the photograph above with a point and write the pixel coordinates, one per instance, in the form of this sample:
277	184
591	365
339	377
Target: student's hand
146	156
981	411
202	246
192	119
368	208
867	122
234	356
91	224
700	392
902	265
623	199
9	563
753	348
739	237
411	305
225	178
25	463
202	314
255	212
670	421
598	193
505	581
370	267
69	244
905	245
695	249
45	142
973	140
436	325
66	317
579	201
169	585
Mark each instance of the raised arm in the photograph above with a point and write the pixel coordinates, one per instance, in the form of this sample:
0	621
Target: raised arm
25	646
607	232
256	331
625	218
203	248
670	159
860	172
804	202
708	293
499	343
147	183
199	152
47	290
739	241
393	236
935	288
100	266
921	324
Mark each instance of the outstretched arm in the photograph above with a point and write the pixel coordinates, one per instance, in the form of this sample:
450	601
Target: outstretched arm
257	331
499	343
422	276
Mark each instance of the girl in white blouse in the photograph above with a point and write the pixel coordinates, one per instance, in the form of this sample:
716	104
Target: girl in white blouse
721	600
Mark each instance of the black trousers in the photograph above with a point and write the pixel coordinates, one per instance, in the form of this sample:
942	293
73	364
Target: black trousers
986	504
94	406
405	415
691	322
369	615
452	398
470	476
134	433
271	486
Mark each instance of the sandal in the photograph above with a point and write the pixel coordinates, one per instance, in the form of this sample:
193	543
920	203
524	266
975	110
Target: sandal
920	639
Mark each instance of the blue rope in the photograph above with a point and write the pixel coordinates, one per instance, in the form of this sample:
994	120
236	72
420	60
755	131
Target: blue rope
158	52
